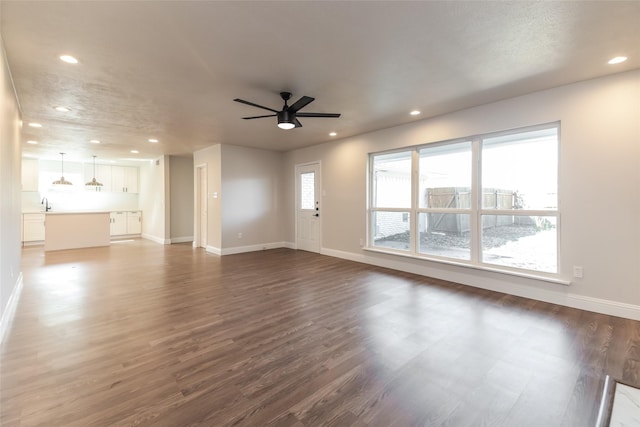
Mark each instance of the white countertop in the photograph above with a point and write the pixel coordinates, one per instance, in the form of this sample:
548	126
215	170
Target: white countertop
76	212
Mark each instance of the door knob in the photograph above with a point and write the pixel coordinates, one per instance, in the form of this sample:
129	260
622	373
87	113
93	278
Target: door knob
316	214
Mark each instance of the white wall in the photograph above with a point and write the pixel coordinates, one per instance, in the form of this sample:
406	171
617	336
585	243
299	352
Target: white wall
599	190
251	203
181	179
154	200
10	178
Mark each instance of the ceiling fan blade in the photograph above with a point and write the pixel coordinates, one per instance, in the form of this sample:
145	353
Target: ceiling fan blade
297	123
259	117
334	115
242	101
301	103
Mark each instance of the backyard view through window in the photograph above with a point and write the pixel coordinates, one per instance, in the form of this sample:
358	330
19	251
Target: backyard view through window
486	200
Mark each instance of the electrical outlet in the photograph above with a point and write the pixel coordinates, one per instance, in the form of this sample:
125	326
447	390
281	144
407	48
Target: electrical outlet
361	242
239	235
577	272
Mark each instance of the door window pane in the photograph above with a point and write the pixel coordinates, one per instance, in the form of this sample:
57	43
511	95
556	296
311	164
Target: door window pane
520	241
391	230
520	171
445	235
307	190
392	180
445	176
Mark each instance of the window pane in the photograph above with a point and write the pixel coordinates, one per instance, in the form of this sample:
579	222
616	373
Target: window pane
520	171
392	180
391	230
307	190
528	242
445	176
445	235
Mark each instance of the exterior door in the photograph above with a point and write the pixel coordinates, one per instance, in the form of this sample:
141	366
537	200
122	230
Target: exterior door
308	207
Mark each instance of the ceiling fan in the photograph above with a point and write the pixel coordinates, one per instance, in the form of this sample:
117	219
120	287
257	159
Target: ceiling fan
288	116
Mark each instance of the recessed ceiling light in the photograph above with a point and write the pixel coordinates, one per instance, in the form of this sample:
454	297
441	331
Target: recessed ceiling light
414	112
94	141
135	151
62	108
332	134
69	59
32	142
35	125
153	140
617	60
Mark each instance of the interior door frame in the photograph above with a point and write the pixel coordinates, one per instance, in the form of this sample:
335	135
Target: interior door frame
197	223
296	170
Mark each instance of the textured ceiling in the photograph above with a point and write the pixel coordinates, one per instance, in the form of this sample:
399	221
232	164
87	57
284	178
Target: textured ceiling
170	70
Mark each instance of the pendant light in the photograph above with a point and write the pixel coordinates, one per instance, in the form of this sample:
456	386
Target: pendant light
93	182
62	181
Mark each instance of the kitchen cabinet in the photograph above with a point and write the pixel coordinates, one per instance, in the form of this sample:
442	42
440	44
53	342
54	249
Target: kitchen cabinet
103	176
134	222
123	223
124	179
33	227
72	230
118	223
30	175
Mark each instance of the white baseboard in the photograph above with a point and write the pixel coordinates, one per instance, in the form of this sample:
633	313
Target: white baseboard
10	310
213	250
289	245
156	239
253	248
491	281
184	239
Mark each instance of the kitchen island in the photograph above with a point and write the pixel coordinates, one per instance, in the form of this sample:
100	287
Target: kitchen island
72	230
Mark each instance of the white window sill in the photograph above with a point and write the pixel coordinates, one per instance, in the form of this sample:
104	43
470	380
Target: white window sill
526	275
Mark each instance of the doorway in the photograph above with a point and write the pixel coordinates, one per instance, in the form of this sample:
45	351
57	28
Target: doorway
308	207
201	197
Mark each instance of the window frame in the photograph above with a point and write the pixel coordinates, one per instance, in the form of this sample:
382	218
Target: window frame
476	210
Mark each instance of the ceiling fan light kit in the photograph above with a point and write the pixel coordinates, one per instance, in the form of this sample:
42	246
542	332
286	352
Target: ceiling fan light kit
288	116
284	120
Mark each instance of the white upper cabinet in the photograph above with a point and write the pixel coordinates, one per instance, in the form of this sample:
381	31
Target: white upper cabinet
30	175
124	179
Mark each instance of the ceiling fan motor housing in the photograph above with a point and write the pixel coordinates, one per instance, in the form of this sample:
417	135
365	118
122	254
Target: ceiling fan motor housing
286	116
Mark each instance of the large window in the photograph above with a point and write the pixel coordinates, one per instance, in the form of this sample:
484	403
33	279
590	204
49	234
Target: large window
390	220
486	200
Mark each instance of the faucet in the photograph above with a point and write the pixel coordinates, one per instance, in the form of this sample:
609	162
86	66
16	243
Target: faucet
46	206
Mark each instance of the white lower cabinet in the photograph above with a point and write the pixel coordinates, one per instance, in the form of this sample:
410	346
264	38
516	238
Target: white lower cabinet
123	223
33	227
134	222
118	222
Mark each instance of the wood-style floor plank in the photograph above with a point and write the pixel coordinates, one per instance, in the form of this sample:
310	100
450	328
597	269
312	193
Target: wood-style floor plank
141	334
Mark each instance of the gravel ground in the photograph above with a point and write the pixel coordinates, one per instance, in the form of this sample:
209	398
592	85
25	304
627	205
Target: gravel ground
492	238
512	246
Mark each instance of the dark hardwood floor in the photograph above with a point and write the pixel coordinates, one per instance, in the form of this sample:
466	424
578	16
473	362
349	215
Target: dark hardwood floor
145	334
